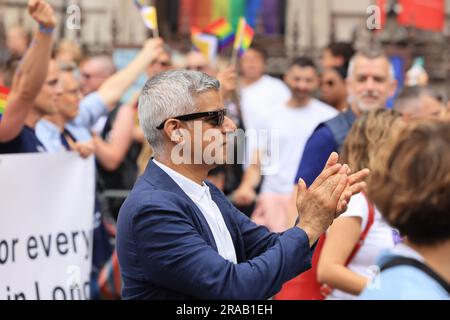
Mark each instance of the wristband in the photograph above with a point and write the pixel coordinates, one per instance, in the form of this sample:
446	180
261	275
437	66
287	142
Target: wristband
45	29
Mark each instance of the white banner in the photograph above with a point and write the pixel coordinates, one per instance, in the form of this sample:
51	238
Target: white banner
46	223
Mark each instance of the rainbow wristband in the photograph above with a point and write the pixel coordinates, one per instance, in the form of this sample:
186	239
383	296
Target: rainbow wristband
45	30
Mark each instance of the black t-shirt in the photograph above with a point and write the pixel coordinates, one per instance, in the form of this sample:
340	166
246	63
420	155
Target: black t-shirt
25	142
124	177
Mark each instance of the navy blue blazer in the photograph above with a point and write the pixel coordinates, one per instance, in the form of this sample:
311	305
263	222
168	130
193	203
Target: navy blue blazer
166	249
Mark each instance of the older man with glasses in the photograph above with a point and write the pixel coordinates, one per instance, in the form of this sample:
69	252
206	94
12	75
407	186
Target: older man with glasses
179	237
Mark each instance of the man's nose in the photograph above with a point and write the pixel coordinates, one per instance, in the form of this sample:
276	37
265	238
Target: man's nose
370	84
58	90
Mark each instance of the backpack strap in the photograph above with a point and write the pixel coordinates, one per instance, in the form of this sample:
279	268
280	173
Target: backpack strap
404	261
362	238
325	289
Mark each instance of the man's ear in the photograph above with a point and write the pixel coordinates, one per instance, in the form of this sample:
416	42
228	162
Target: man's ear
172	130
348	85
393	88
317	81
286	76
340	61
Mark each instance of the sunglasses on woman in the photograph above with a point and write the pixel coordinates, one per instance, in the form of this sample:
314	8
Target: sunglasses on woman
216	118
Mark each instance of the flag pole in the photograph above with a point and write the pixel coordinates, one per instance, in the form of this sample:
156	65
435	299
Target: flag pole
234	57
238	41
156	30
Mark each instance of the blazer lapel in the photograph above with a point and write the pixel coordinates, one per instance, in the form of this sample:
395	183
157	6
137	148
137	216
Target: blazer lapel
161	180
230	222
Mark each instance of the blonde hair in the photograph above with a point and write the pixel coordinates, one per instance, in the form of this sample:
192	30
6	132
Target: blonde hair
368	133
72	48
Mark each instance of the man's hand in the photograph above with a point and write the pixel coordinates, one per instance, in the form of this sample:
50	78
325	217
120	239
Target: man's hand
317	205
84	149
327	197
355	185
42	13
243	196
153	47
228	81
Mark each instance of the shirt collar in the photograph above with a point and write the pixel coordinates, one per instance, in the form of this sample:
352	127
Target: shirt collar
192	189
48	128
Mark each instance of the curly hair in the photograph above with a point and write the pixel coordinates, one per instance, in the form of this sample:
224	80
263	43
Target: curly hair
368	133
411	182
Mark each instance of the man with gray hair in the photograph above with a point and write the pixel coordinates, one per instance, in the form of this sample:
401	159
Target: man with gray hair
370	83
418	102
178	236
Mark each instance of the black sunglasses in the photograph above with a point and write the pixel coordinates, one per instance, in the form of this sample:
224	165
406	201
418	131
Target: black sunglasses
216	117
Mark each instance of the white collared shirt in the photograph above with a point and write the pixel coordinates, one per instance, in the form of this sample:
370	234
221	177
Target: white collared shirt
201	196
50	136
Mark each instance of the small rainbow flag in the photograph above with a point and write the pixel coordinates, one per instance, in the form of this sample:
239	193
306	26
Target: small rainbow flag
4	91
244	36
206	44
150	18
222	30
148	14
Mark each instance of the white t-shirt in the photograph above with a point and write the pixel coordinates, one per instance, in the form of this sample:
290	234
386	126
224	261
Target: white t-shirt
260	98
379	238
258	101
294	126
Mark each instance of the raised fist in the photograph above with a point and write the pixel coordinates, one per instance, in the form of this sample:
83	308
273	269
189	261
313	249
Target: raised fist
42	13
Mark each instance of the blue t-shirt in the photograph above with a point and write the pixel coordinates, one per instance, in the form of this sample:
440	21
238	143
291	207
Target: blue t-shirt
403	282
317	151
25	142
91	109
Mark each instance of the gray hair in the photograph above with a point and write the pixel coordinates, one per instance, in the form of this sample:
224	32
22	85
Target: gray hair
167	95
408	99
370	54
106	62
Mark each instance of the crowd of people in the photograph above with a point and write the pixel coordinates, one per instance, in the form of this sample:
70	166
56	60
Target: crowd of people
62	100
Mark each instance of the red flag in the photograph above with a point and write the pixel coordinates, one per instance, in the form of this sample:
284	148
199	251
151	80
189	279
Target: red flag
184	19
382	4
201	13
422	14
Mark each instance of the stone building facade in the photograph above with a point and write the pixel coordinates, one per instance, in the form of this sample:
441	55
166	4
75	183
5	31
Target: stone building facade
310	25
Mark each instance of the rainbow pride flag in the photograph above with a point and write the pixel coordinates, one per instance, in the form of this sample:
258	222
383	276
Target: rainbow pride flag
150	18
223	31
148	14
206	44
4	91
244	36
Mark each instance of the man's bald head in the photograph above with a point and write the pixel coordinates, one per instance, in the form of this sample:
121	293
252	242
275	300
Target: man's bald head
94	72
196	61
418	102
